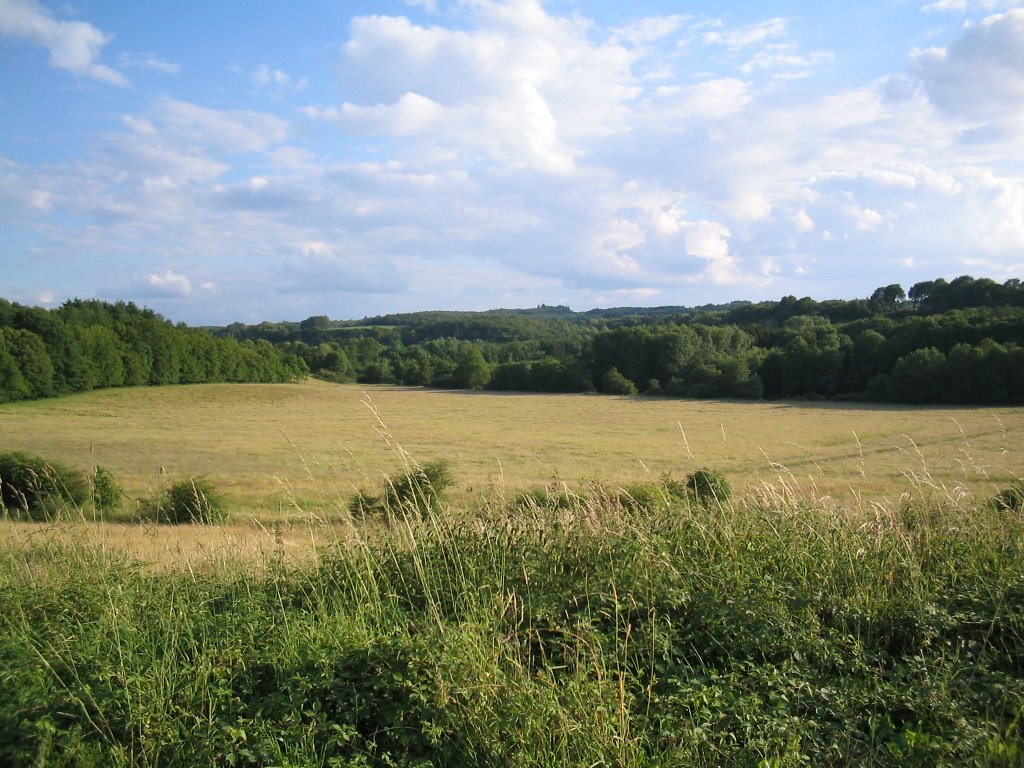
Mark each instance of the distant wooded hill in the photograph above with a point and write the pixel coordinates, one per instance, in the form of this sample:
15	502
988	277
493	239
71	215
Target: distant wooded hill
950	342
955	342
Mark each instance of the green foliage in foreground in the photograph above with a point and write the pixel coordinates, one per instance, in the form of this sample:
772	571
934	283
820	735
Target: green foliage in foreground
770	632
36	489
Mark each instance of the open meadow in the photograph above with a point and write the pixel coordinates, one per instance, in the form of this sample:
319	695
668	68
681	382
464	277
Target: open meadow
293	455
285	449
859	600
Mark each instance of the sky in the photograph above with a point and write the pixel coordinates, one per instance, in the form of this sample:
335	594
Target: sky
247	160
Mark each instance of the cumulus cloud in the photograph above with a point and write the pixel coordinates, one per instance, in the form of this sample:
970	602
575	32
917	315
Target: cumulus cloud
522	86
709	240
504	153
992	53
802	222
73	45
166	284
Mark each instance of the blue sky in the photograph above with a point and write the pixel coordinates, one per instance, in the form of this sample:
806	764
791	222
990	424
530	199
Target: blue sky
248	161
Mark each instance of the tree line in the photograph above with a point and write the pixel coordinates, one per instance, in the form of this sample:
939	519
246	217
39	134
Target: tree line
955	341
939	342
85	345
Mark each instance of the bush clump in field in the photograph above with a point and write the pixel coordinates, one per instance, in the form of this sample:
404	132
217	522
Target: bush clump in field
708	486
38	489
420	490
651	497
106	491
552	497
194	500
1010	499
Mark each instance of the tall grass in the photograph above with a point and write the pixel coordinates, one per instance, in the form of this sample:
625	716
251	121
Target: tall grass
581	629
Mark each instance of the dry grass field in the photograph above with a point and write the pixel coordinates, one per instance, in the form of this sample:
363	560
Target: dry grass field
291	449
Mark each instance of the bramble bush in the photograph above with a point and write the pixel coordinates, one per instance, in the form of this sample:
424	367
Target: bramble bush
37	489
106	491
1010	499
195	500
420	490
709	486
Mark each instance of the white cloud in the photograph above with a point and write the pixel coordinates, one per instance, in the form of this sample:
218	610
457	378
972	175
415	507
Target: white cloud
709	99
507	150
275	81
650	29
139	124
164	284
148	61
785	57
802	222
229	131
73	45
990	53
709	240
522	89
749	35
866	219
319	267
962	6
412	113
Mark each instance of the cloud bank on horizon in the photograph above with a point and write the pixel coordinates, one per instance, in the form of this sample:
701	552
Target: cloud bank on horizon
249	161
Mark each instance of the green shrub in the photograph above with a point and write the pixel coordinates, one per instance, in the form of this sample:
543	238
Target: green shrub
195	500
364	503
651	497
420	490
1010	499
106	491
38	489
614	383
708	486
551	497
642	497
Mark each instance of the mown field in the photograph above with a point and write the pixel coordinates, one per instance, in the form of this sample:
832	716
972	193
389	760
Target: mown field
280	450
859	601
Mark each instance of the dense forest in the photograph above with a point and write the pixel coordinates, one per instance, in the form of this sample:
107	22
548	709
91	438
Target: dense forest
957	341
91	344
